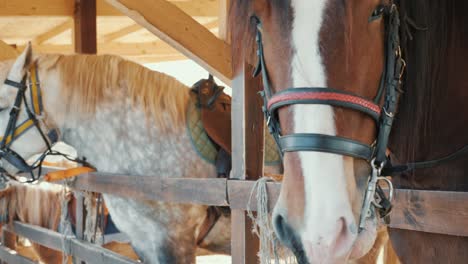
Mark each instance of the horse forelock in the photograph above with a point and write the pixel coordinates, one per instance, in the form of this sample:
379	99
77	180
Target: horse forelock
89	81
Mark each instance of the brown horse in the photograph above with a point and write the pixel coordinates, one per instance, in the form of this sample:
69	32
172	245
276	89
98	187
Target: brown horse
324	212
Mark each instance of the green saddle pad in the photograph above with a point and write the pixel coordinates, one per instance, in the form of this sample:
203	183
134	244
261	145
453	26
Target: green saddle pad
207	150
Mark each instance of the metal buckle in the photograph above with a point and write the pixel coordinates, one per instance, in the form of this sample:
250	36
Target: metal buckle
369	196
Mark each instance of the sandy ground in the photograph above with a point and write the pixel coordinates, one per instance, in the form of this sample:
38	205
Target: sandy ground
216	259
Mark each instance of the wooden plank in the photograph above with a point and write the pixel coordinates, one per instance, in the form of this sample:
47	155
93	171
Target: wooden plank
418	210
69	245
120	33
43	236
91	253
7	52
157	48
79	214
67	25
223	31
247	159
440	212
200	8
85	27
182	32
210	191
12	257
239	193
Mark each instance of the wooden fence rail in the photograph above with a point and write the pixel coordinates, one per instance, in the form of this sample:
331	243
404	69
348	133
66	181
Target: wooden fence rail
418	210
69	245
440	212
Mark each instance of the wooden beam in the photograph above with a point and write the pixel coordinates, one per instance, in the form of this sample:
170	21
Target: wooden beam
223	31
85	27
69	245
417	210
155	49
247	158
212	25
431	211
200	8
182	32
7	52
120	33
156	188
53	32
156	58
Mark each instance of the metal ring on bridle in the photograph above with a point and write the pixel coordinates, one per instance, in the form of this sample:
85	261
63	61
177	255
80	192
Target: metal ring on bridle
389	184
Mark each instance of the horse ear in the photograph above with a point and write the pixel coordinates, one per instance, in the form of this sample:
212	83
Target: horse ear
210	78
23	62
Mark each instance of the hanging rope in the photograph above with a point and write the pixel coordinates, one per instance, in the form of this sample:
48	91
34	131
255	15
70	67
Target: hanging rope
270	249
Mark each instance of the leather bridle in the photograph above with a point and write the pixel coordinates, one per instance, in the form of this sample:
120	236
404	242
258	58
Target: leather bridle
376	153
35	118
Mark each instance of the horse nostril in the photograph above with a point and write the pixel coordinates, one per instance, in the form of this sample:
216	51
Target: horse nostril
288	237
278	224
284	232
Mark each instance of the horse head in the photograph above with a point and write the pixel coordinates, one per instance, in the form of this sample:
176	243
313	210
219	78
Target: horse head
332	54
22	121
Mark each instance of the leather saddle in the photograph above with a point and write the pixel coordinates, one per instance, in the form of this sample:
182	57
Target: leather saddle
215	108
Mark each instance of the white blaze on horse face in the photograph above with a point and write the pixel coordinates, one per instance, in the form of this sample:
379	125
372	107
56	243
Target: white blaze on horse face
328	229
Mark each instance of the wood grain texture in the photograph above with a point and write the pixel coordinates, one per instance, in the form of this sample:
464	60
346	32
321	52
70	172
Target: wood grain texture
67	25
179	190
440	212
247	157
200	8
85	27
181	31
69	245
120	33
239	193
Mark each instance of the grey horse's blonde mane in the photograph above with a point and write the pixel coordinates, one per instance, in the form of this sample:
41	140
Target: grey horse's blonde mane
88	80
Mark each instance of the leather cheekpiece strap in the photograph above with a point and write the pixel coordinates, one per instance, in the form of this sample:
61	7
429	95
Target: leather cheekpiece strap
325	143
15	84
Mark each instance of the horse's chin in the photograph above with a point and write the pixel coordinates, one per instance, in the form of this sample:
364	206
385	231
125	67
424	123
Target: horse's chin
365	240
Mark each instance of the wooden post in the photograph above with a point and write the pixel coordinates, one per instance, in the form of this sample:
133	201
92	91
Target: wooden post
79	216
85	27
247	158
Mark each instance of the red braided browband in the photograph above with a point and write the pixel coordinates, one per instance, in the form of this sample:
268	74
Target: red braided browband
319	96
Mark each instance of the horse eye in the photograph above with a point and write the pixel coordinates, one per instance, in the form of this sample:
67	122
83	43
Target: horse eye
377	13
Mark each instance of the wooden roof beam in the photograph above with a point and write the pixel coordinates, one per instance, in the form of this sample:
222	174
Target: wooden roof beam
157	48
85	27
223	31
182	32
120	33
201	8
67	25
